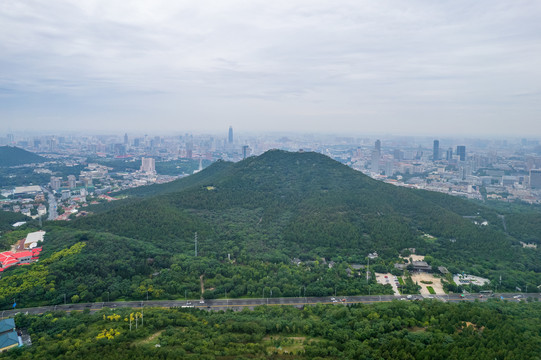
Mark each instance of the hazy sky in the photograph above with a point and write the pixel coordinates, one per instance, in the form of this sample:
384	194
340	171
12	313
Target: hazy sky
396	67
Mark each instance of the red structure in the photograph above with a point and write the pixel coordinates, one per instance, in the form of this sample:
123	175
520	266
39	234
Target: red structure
10	258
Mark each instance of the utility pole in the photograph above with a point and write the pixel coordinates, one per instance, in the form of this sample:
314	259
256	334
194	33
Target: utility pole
367	270
196	244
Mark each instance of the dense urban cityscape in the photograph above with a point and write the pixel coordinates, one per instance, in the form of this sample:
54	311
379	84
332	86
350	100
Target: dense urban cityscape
87	169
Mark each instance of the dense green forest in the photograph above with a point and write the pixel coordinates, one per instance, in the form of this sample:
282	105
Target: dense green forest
253	217
395	330
13	156
8	218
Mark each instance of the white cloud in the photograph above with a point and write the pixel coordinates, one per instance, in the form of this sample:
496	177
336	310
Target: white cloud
361	65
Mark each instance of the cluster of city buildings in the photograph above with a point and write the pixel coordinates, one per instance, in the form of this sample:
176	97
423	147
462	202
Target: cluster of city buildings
505	173
475	168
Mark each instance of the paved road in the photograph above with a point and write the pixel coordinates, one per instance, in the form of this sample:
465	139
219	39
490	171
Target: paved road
239	304
53	214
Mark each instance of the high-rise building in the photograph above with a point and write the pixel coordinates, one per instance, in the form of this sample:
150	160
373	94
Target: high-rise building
86	180
148	165
375	161
389	167
461	152
230	137
449	155
245	151
535	178
376	154
72	182
436	150
189	149
56	182
126	139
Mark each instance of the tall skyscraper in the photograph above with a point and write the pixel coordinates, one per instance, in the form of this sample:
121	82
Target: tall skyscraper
126	139
535	178
189	148
376	154
436	150
461	152
449	156
230	137
375	161
148	165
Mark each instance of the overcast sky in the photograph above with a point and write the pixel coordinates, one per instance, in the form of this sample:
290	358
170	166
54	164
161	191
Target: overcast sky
396	67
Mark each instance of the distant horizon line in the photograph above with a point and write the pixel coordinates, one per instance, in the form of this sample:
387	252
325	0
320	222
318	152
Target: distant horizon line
240	133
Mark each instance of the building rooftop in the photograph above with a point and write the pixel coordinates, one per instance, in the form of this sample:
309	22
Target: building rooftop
6	325
9	339
33	238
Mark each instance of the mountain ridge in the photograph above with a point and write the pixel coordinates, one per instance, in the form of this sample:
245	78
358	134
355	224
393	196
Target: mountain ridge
13	156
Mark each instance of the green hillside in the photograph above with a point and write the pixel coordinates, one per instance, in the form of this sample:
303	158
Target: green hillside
301	204
13	156
253	217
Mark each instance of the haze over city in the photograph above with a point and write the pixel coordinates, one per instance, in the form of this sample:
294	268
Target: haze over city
415	68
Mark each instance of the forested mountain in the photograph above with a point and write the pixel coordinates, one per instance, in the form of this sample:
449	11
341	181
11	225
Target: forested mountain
12	156
300	204
252	218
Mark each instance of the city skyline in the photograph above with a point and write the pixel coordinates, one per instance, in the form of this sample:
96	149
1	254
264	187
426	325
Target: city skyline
445	69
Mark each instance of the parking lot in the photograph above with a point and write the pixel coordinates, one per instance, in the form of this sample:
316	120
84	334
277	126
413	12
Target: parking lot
390	279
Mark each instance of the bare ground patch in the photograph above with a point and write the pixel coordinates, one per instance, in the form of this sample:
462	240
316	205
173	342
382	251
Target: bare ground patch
436	283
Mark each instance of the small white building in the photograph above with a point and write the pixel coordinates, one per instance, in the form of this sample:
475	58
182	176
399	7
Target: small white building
32	239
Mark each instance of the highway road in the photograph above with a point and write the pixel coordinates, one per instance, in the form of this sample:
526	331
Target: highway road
239	304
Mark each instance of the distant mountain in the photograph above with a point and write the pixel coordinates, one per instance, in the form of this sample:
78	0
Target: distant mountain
301	203
13	156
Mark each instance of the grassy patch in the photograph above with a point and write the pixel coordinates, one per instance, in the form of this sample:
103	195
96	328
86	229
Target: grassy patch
285	345
431	290
401	281
149	339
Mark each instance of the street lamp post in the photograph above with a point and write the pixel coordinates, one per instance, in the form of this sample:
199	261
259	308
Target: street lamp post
64	299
